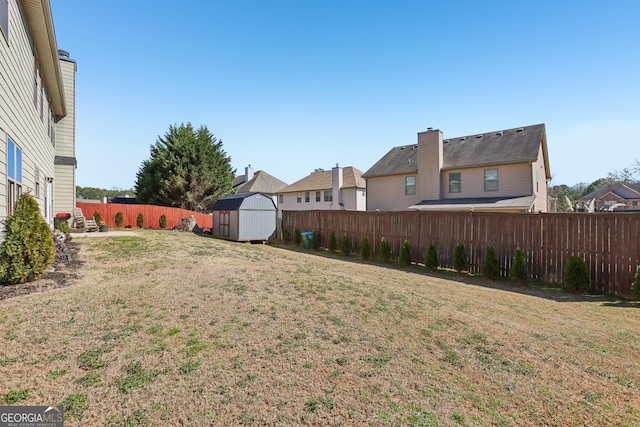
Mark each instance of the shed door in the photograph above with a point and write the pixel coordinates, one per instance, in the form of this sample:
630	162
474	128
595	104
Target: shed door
223	223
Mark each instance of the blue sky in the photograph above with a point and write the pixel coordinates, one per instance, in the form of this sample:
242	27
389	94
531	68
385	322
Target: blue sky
294	85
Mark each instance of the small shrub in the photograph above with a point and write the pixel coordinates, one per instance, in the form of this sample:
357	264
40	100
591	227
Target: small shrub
385	251
576	275
98	218
119	220
365	251
140	220
404	257
163	221
459	258
333	242
315	240
345	246
27	251
285	235
635	288
490	267
519	272
297	237
431	258
63	227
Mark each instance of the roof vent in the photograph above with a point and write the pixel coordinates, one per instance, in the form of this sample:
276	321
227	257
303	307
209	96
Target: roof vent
429	129
415	146
499	133
463	138
409	161
445	141
520	130
479	136
402	148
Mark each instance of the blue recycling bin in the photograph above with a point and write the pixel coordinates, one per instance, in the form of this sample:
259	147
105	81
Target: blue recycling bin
306	239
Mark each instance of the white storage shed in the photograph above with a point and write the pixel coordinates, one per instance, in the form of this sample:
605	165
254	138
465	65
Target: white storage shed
245	217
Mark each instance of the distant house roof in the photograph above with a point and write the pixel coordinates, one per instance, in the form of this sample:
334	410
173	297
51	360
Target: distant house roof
624	191
261	182
322	180
478	204
515	145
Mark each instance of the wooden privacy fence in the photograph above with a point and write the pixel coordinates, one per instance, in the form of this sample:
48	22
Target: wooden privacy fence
151	214
608	242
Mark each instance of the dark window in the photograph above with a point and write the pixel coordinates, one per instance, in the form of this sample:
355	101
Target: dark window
4	19
317	196
328	196
306	197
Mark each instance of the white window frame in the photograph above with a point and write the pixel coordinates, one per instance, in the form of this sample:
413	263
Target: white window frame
328	196
455	178
410	185
14	177
491	184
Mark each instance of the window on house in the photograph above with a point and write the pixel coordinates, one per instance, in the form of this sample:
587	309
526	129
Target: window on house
306	197
4	19
328	196
280	198
455	182
491	180
634	203
317	196
42	97
14	174
409	185
299	198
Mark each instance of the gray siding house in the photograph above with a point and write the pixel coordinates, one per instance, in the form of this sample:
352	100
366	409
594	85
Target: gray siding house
245	217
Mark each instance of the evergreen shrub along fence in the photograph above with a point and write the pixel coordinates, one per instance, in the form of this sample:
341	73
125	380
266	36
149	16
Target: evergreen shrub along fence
609	243
151	214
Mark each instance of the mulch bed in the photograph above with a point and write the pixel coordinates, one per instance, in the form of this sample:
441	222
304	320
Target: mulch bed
63	275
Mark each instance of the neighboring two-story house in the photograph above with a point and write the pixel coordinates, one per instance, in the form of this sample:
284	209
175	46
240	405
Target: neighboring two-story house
258	182
614	196
500	171
337	189
36	95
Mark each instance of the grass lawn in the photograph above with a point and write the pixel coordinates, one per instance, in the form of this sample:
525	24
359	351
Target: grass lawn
177	329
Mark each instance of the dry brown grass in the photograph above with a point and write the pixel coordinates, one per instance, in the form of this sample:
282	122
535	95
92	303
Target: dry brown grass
178	329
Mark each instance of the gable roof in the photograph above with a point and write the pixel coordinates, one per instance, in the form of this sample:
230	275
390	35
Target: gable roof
234	201
261	182
515	145
625	191
322	180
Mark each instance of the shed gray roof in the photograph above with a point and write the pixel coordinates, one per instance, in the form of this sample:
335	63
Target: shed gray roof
625	191
515	145
261	182
234	201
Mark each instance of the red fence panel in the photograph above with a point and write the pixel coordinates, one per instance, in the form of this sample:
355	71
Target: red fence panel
151	214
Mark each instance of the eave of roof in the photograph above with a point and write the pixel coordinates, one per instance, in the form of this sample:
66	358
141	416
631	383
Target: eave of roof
477	204
40	22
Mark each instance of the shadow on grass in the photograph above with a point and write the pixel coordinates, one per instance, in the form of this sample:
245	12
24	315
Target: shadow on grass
535	289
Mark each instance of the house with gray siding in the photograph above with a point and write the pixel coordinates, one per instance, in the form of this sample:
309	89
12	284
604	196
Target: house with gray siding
500	171
37	93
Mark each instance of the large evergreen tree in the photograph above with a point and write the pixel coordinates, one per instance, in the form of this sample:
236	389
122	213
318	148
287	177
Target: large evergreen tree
188	169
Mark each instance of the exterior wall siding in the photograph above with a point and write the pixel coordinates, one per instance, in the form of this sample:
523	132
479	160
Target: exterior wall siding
19	118
513	180
430	159
539	183
63	200
352	198
386	193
